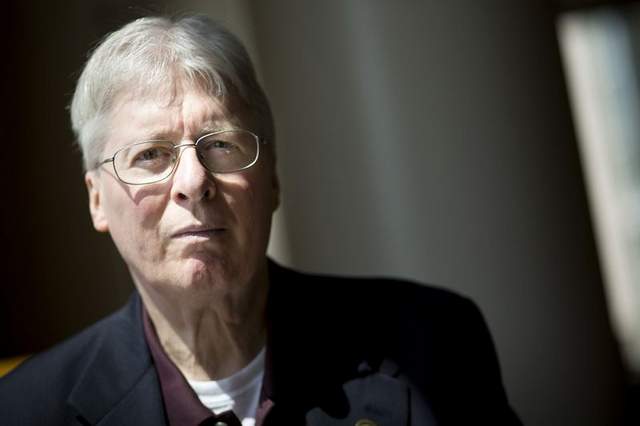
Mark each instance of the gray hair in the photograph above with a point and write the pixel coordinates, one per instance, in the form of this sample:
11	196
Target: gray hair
153	53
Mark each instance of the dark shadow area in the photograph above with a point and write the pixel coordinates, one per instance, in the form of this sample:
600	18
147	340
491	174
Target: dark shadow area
59	275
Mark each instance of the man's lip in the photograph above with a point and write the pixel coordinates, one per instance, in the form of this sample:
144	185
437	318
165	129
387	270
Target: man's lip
198	232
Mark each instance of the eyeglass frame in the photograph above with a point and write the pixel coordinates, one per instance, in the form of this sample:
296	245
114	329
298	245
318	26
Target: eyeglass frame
258	139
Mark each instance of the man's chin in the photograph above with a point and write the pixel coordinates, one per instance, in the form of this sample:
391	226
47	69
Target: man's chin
203	273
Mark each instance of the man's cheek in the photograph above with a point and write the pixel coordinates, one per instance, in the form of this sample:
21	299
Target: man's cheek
147	213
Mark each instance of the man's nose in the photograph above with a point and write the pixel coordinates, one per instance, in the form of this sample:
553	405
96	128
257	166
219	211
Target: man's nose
191	181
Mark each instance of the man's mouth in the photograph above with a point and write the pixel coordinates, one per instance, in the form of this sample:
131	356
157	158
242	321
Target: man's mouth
199	232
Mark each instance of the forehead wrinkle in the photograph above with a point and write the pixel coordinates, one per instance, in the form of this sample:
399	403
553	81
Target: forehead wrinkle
138	120
199	111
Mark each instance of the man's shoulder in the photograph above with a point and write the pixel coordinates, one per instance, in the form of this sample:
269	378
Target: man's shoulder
392	314
71	353
400	296
47	378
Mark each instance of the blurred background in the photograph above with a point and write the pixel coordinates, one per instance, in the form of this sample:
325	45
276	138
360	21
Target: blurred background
489	147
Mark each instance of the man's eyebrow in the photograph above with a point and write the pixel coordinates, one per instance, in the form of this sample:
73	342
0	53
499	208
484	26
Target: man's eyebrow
212	125
153	135
216	124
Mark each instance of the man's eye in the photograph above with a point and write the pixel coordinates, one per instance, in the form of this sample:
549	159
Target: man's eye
152	154
222	145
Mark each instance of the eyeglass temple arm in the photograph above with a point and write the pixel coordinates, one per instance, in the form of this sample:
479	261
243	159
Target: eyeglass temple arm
103	162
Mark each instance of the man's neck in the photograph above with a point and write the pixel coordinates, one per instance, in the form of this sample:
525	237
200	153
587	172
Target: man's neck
213	338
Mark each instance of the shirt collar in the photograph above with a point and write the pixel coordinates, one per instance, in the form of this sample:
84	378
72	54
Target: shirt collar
181	403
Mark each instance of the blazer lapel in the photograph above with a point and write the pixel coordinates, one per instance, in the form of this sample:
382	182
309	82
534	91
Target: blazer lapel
120	386
142	405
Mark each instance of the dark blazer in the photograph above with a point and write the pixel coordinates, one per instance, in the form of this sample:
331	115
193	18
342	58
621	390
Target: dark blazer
339	350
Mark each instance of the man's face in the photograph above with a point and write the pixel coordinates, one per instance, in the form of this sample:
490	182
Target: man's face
196	230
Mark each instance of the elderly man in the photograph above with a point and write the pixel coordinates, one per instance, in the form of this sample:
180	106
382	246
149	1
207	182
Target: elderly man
178	145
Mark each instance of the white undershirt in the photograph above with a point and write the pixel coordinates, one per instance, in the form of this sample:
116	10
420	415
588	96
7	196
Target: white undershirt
239	392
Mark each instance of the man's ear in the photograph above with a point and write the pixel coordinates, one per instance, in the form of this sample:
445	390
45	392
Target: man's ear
92	180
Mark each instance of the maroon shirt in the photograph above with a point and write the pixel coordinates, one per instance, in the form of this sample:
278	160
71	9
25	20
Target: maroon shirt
182	406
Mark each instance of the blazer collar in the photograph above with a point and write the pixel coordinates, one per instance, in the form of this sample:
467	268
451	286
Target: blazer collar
120	382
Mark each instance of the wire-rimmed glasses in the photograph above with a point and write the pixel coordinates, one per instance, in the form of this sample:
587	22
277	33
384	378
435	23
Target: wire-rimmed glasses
222	151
